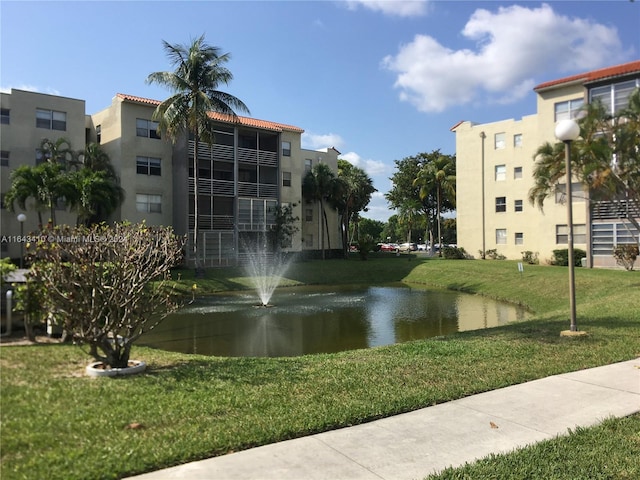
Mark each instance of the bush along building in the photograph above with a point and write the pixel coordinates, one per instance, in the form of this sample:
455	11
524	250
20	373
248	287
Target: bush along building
252	168
495	173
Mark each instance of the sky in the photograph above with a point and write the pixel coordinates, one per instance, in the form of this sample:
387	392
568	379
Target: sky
377	80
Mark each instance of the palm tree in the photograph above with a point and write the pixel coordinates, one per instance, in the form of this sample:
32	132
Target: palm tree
352	194
97	187
199	71
439	175
95	195
57	151
318	185
25	184
605	159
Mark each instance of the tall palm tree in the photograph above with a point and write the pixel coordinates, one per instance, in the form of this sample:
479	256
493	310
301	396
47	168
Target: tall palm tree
318	185
439	175
199	71
57	151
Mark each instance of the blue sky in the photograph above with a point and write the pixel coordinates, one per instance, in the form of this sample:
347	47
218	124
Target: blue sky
378	80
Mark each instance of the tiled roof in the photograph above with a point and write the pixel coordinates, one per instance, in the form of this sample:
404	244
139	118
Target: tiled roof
245	121
600	74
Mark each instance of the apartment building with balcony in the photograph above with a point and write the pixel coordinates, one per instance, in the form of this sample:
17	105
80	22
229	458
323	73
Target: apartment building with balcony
495	164
251	167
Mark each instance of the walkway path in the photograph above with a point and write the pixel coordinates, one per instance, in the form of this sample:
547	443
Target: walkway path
415	444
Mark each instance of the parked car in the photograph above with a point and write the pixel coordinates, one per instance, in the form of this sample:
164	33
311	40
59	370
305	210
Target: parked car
422	247
407	247
388	247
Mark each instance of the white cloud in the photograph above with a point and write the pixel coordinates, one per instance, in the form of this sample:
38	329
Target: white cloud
512	46
373	168
313	141
400	8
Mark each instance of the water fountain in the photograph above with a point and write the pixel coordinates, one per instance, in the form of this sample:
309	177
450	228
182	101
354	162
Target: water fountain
266	269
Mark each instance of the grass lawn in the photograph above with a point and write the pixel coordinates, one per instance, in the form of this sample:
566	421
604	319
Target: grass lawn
59	424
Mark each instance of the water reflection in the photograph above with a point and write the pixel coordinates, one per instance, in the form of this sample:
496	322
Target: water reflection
308	320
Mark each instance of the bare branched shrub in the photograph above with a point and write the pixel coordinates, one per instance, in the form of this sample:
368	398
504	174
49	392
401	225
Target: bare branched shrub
626	255
107	285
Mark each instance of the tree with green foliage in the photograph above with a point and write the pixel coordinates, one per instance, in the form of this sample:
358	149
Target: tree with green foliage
319	186
374	228
284	227
89	187
352	194
199	72
406	191
439	176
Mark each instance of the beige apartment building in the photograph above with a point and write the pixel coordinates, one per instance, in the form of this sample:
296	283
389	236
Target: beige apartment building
253	166
494	174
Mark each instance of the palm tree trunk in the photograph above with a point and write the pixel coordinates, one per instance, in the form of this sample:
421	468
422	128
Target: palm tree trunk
322	228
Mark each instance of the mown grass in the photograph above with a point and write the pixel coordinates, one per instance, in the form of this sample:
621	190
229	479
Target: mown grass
610	450
58	424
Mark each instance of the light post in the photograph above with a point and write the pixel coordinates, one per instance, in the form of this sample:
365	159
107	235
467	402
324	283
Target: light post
21	218
484	246
567	131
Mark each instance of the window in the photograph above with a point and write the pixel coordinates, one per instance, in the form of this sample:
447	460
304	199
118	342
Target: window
501	204
576	192
148	166
98	133
286	149
562	234
148	203
40	157
4	158
308	240
499	140
614	97
286	179
519	238
517	140
308	214
51	119
501	172
568	109
501	236
147	128
579	234
5	117
517	205
308	163
608	235
517	172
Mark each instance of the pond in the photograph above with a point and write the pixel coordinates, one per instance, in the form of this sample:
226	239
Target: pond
324	319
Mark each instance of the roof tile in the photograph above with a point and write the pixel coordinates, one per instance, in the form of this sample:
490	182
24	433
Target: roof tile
245	121
594	75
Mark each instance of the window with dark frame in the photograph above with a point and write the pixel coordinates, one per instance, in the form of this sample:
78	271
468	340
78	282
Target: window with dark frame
518	205
148	166
501	204
51	119
286	149
5	116
4	158
286	179
147	128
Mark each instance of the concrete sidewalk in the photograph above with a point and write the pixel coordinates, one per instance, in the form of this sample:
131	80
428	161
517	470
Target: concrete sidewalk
416	444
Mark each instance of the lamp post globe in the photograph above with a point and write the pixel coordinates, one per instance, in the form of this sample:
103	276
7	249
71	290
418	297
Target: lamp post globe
567	130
